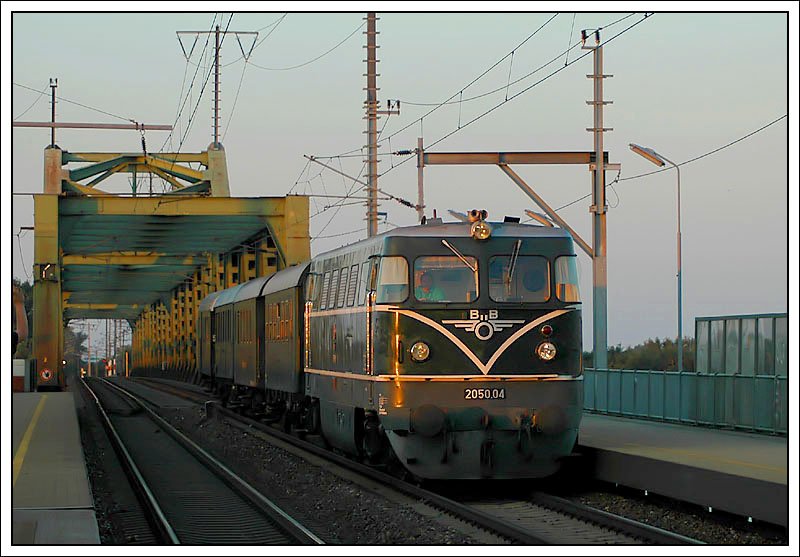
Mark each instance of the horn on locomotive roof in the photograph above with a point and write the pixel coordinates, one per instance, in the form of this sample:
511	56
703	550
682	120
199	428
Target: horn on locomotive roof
476	215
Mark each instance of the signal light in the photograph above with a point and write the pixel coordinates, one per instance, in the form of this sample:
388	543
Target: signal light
547	330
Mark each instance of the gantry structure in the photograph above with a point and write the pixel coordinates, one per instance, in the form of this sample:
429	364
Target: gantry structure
149	259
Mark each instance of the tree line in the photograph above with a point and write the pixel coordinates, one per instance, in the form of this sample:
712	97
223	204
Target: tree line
653	354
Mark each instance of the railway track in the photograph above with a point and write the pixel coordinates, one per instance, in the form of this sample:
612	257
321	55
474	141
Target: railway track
533	520
190	497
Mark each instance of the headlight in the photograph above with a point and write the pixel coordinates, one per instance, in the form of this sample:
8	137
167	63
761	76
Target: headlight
481	230
420	352
546	351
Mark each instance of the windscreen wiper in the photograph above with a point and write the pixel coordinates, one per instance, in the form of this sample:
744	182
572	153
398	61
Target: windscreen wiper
514	256
461	257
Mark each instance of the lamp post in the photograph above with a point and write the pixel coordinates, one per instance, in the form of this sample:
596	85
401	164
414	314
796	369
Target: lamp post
661	160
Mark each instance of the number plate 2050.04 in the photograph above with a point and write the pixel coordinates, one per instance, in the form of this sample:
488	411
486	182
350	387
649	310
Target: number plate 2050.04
483	394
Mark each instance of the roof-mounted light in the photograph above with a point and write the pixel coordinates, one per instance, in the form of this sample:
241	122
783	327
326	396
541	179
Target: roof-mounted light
480	230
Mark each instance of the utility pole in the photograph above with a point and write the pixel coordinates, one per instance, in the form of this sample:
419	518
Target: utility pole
599	209
371	105
217	46
108	349
89	357
116	344
216	89
420	191
53	87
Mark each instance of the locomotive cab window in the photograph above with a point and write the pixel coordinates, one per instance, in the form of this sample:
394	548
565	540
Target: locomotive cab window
525	278
567	279
326	281
363	280
392	284
445	279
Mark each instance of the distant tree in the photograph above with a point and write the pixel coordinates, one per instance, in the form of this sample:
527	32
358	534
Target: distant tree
73	344
24	347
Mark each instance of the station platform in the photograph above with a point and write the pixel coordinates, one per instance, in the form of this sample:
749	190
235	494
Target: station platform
51	495
737	472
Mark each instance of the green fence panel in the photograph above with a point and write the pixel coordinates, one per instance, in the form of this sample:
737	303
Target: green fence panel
672	396
589	387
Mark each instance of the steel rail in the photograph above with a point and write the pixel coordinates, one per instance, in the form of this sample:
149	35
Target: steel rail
156	516
645	532
288	524
476	516
625	525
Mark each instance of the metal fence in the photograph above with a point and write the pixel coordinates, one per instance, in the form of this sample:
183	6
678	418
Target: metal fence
741	379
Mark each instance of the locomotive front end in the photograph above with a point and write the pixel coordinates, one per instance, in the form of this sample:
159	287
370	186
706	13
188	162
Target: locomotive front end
477	350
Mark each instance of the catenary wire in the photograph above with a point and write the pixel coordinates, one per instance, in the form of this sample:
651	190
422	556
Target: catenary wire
256	45
79	104
316	58
775	121
21	257
235	99
475	79
35	101
717	150
350	190
523	91
437	105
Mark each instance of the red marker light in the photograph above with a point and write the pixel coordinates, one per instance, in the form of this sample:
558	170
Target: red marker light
547	330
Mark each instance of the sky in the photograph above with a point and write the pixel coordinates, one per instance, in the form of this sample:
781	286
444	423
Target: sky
684	84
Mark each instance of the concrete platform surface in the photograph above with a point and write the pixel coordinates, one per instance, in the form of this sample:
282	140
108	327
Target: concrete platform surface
757	456
51	495
737	472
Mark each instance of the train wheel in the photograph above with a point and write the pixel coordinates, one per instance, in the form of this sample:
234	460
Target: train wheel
311	417
374	444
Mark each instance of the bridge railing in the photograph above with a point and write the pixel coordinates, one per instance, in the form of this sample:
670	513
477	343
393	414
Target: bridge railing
757	403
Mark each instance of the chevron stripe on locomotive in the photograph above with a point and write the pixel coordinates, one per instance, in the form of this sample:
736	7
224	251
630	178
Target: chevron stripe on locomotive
453	349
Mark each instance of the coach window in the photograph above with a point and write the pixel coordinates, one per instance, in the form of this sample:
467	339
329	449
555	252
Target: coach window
567	279
525	278
446	278
392	284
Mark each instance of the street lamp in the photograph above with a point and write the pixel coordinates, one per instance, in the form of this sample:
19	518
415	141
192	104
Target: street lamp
661	160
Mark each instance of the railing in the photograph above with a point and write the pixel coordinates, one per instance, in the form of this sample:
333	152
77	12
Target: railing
756	403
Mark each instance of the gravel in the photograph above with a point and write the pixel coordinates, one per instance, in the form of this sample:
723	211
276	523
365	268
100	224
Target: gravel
716	528
342	512
336	509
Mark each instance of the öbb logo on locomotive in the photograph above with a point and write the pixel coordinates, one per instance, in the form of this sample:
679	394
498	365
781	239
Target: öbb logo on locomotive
483	325
456	352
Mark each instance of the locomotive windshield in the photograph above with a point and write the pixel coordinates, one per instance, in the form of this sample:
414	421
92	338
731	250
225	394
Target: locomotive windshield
525	278
445	278
567	279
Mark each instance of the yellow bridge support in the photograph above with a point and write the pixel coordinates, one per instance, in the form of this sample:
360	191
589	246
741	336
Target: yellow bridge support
149	259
